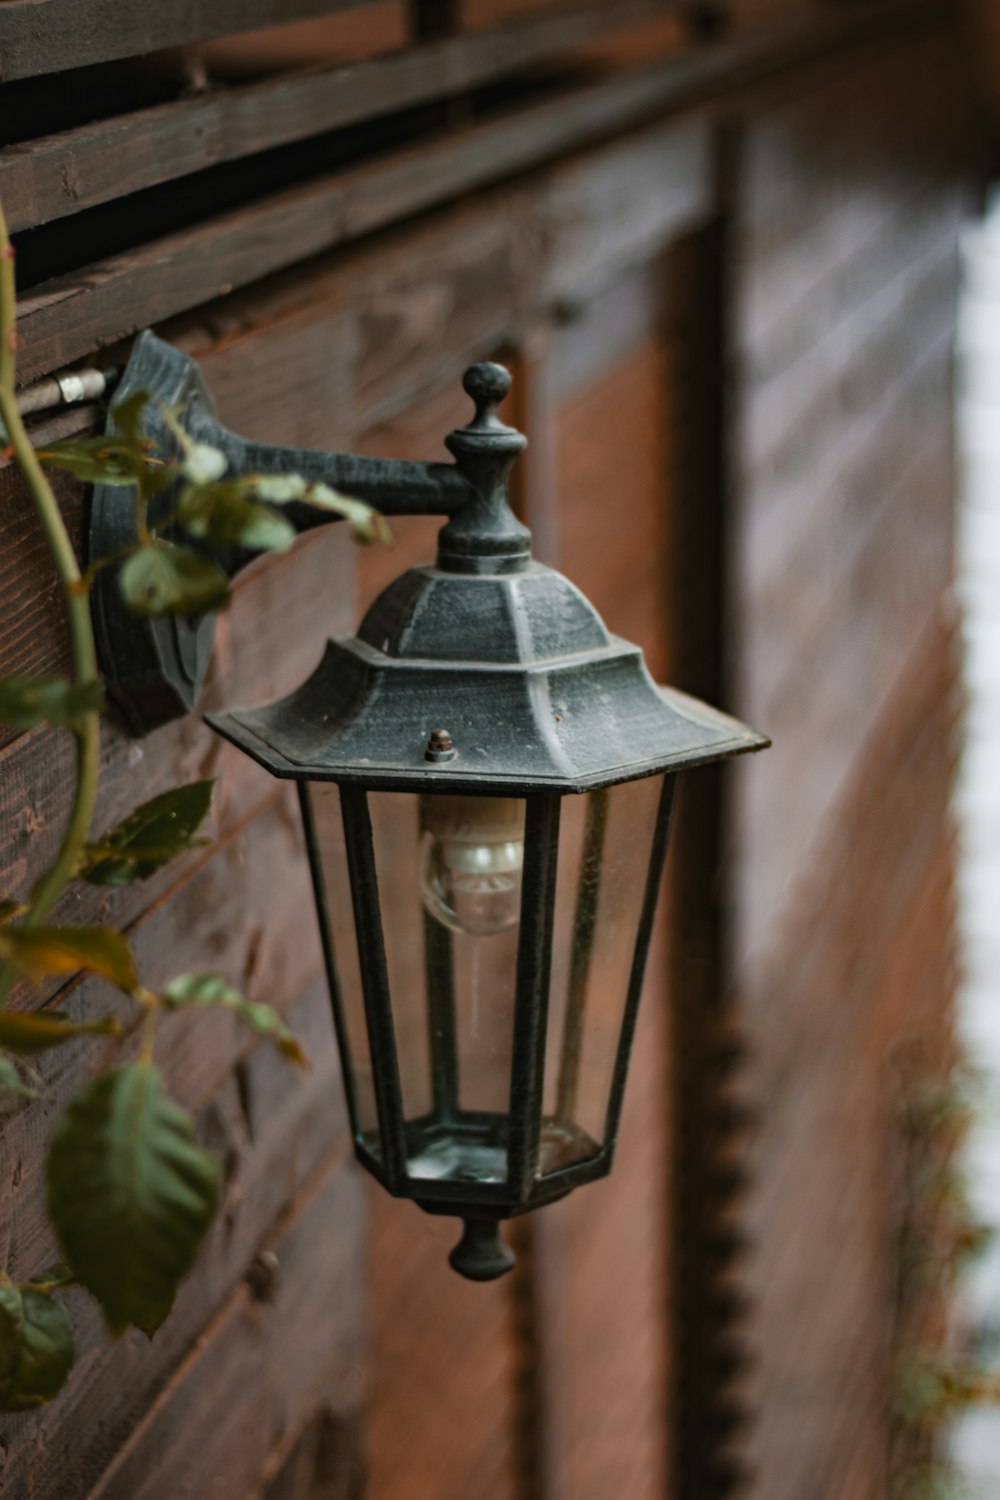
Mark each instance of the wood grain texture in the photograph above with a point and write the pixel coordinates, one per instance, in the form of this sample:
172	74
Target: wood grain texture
50	177
840	354
49	36
875	958
66	318
53	176
842	957
308	1337
37	768
845	457
273	1129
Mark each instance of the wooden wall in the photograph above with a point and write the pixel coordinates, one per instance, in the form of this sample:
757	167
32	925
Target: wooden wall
848	201
625	231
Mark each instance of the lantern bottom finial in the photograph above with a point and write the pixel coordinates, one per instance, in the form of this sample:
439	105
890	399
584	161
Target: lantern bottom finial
481	1254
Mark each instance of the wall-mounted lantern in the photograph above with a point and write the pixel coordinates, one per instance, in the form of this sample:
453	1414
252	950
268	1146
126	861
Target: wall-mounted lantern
490	774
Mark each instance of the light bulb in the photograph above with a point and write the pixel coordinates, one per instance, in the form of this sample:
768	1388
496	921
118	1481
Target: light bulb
471	864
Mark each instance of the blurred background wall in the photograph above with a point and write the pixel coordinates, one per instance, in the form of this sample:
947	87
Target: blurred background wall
977	1438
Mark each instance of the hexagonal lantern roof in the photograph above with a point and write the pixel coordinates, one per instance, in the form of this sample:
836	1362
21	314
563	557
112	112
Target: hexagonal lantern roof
504	654
521	672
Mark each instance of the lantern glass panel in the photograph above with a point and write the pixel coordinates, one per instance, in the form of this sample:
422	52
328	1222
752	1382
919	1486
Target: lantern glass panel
449	878
337	914
605	843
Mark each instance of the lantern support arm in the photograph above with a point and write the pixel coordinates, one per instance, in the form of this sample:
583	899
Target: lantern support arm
396	487
154	668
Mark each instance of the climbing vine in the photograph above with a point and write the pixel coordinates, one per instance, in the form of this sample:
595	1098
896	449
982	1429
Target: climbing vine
937	1375
130	1192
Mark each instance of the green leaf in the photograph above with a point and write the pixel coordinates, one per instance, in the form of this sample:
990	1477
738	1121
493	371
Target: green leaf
123	457
36	1347
58	1275
127	416
14	1092
212	989
39	952
25	1032
98	460
163	578
222	514
280	489
151	836
28	701
130	1194
367	524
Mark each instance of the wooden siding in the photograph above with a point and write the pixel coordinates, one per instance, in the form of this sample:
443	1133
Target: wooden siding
848	205
587	226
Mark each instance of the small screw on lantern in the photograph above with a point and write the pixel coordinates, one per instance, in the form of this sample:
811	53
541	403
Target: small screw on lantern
489	774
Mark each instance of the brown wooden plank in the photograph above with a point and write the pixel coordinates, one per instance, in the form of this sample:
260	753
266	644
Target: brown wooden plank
369	29
905	771
273	1127
374	333
36	770
49	36
233	914
868	971
438	1345
59	174
847	218
248	913
308	1339
65	318
50	177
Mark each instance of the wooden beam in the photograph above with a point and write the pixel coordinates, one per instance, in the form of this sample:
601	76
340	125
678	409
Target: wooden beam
69	316
49	36
56	175
307	1337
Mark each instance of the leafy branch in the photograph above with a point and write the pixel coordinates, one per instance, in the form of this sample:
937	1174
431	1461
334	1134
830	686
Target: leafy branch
936	1377
130	1193
85	690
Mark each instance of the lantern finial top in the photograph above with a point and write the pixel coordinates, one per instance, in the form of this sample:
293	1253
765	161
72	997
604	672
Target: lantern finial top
485	536
487	384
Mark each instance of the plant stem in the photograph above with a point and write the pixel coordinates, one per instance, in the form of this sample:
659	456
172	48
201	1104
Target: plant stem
87	732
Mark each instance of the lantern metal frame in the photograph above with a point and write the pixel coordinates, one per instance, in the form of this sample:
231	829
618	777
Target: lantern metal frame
520	1128
540	701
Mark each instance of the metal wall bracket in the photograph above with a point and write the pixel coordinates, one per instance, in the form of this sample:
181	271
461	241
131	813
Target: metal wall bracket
154	669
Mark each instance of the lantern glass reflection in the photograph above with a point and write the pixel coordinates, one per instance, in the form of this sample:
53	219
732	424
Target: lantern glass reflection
451	945
605	841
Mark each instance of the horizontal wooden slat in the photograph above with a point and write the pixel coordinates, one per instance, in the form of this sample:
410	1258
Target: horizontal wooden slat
49	36
231	914
47	178
69	316
36	770
866	971
65	318
206	1436
272	1126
